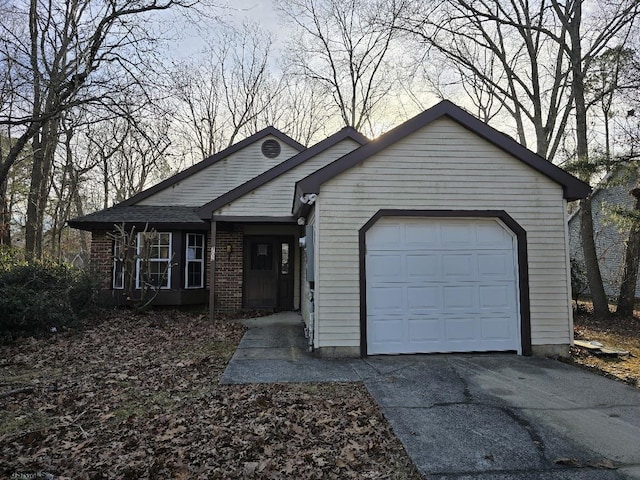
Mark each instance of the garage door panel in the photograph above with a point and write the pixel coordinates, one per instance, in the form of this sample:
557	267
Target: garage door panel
385	237
496	328
461	329
425	329
494	265
419	235
423	267
447	285
421	298
460	297
457	234
494	236
459	265
496	297
386	267
386	299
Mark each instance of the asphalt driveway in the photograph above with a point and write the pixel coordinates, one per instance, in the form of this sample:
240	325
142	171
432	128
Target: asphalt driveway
470	416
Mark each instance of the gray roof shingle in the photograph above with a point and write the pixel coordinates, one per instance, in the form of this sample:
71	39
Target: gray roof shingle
155	216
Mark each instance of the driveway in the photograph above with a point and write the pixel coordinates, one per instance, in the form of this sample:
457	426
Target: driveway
468	416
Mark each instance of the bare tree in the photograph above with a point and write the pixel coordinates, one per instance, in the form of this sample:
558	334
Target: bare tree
301	110
545	51
344	46
499	52
63	50
225	91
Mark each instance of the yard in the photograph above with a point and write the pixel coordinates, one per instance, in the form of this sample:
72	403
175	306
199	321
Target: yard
620	333
137	397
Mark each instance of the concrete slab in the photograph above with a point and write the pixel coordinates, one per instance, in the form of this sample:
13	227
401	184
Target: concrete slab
465	416
274	350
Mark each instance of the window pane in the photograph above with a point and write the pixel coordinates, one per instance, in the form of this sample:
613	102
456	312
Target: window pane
118	264
158	274
195	240
284	264
194	274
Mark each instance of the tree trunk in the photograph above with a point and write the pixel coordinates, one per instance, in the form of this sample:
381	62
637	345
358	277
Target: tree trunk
5	216
627	296
594	277
44	147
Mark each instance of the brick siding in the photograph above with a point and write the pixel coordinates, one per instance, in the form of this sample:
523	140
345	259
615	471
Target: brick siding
228	294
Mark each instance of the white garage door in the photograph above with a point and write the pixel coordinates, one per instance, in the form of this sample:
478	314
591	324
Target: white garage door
441	285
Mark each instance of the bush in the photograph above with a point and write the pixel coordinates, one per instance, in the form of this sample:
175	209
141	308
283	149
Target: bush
36	296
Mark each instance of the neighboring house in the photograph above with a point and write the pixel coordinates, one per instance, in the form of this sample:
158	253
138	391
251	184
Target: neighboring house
609	235
443	235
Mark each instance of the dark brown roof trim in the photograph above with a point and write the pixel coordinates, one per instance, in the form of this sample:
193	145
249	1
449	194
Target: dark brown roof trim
214	159
347	132
574	189
257	219
523	263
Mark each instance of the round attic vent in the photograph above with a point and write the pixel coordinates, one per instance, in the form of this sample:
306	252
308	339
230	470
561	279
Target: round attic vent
270	148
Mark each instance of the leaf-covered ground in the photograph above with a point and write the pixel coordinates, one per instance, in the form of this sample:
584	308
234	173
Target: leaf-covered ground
136	397
621	333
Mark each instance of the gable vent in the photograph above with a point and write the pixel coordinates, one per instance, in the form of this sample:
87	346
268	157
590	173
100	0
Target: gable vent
270	148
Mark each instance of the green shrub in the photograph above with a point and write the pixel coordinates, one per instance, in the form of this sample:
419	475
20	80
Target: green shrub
37	296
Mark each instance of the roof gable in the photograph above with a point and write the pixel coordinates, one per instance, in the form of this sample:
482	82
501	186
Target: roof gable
206	211
573	188
269	131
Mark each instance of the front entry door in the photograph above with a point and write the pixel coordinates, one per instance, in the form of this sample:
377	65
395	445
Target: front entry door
268	272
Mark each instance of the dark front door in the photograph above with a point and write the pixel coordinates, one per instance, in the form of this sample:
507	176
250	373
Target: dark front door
268	272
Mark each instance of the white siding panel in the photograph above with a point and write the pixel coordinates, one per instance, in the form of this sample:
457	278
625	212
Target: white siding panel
441	167
274	198
222	176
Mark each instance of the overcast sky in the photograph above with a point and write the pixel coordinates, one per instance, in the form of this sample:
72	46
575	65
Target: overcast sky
188	38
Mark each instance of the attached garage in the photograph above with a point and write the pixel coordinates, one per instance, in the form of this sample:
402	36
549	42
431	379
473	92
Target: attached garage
443	235
441	285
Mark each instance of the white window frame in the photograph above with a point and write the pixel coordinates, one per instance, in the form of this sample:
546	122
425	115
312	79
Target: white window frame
188	260
117	280
155	260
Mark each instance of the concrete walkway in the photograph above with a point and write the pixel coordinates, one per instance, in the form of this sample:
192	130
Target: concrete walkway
470	416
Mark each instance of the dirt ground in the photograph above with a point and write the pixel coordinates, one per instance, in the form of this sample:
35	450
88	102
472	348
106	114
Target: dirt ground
136	397
620	333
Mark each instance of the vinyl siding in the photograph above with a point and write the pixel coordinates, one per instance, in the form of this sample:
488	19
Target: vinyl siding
219	178
446	167
275	197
